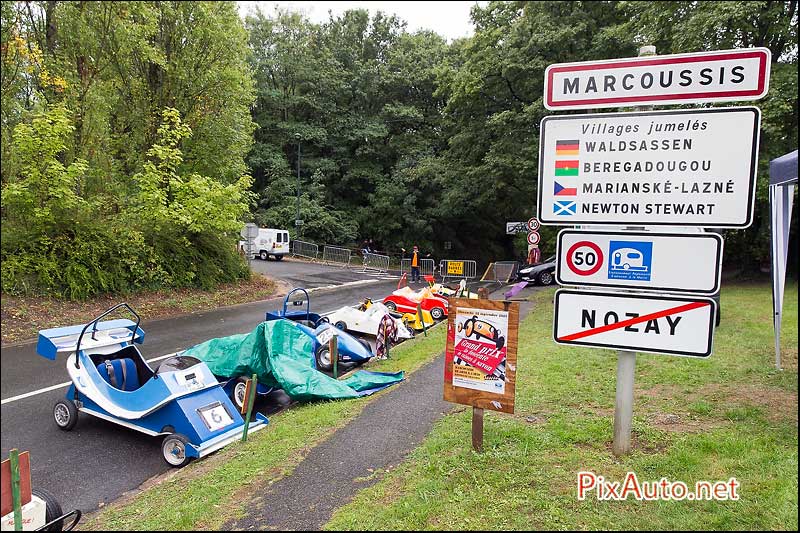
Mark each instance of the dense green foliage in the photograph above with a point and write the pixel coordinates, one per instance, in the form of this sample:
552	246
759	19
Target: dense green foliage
131	127
124	131
407	139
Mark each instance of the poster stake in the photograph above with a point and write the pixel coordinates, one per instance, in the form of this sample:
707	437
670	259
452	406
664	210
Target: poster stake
477	412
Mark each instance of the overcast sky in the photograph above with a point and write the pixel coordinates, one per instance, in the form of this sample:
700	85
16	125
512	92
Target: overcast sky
449	19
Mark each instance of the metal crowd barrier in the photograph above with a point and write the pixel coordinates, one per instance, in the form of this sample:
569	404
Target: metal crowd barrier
427	267
376	263
458	269
505	271
305	249
336	255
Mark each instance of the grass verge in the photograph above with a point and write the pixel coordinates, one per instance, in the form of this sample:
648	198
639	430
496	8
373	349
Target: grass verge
732	415
207	493
23	317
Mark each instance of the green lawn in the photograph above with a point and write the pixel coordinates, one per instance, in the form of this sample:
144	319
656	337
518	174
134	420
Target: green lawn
206	493
731	415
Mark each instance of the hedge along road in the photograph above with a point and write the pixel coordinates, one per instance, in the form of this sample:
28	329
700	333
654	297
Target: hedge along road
99	461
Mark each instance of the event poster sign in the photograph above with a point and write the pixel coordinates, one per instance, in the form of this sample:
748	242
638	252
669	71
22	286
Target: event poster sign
481	355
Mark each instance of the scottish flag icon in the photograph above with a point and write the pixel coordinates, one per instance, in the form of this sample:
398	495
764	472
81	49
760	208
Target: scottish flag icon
564	208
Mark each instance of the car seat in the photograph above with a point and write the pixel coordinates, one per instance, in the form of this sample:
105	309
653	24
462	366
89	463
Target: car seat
120	374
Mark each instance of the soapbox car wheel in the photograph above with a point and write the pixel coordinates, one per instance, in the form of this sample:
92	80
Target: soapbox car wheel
437	313
323	357
341	324
65	414
52	509
173	449
391	306
238	392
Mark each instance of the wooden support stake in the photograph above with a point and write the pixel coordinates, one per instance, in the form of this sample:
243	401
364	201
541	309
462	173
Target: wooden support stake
16	499
477	429
333	349
250	396
477	412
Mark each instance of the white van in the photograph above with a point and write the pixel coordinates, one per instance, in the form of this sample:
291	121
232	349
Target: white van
269	242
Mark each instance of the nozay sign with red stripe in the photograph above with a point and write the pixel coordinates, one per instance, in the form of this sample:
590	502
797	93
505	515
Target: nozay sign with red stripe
723	76
638	322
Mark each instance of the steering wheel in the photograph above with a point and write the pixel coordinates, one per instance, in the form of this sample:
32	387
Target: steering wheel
322	320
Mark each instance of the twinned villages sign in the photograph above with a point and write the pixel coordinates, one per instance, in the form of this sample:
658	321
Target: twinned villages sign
688	167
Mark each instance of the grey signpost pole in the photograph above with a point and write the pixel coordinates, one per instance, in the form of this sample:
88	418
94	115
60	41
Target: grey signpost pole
626	370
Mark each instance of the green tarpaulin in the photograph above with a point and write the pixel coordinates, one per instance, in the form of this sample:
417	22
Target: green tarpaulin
283	356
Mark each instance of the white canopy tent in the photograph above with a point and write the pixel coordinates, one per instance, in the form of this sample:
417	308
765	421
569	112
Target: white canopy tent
782	180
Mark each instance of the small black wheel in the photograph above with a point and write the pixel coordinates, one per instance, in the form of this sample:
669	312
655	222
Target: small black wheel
65	414
500	342
278	258
52	509
323	357
437	313
173	449
391	306
263	255
545	278
238	393
341	324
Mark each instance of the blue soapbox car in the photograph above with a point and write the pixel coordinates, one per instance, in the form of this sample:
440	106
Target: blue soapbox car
351	349
181	400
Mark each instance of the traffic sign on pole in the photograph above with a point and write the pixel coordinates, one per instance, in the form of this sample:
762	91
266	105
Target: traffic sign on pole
722	76
683	262
639	322
533	224
693	167
534	237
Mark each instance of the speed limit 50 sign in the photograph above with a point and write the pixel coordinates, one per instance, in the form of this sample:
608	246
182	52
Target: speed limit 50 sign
674	262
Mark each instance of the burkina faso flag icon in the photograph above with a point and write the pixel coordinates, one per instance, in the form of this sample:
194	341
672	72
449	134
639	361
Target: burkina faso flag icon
567	167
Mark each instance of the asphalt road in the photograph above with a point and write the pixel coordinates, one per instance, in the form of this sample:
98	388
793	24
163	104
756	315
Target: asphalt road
98	461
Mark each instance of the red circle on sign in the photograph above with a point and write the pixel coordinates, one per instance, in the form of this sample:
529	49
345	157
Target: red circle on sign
534	238
594	268
533	224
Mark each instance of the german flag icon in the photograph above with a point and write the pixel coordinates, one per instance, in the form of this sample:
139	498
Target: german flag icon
569	147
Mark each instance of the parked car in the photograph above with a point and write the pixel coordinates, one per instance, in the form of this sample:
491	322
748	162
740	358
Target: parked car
268	242
544	273
406	299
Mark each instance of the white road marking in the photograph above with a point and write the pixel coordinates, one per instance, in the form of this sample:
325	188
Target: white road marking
63	385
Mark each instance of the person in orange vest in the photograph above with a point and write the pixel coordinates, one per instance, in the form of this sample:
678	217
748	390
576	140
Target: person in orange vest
534	255
415	257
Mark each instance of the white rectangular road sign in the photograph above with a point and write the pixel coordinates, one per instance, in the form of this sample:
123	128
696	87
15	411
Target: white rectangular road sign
516	227
638	322
672	262
723	76
693	167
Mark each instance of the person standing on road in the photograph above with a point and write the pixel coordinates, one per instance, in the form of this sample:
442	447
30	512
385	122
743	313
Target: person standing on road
534	255
415	257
